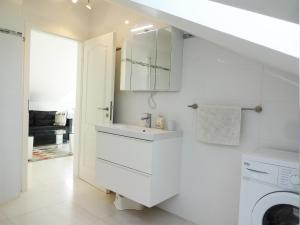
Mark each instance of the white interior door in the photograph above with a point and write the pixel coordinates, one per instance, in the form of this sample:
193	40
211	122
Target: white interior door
11	77
97	98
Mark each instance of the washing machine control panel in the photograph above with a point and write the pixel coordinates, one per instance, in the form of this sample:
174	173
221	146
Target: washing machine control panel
260	171
289	178
284	177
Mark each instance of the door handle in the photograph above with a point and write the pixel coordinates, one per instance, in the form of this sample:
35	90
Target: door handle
105	109
110	111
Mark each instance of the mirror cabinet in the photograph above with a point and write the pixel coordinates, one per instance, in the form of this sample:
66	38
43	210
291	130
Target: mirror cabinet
152	61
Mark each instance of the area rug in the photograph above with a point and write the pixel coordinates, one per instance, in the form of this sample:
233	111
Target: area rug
38	155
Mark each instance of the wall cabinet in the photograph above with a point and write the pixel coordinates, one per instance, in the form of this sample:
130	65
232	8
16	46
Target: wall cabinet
152	61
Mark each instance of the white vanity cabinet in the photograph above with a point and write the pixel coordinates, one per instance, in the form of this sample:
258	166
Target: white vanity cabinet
143	170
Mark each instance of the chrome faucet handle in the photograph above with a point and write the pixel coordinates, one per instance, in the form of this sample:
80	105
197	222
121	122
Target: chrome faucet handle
148	115
148	119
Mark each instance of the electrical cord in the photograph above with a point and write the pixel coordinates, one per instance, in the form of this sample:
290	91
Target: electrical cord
151	101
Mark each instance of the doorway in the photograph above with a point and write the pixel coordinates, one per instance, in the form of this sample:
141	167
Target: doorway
53	62
94	66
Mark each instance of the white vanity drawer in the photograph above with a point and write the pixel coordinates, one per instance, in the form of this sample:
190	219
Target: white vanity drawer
127	182
129	152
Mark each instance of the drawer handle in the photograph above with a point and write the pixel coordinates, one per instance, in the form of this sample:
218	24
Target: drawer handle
124	167
257	171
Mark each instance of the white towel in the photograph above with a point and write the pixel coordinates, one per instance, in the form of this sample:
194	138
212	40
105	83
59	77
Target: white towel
219	124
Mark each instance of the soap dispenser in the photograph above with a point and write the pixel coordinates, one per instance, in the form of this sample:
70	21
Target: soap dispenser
160	122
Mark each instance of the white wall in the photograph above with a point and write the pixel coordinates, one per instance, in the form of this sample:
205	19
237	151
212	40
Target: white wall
210	174
53	71
11	15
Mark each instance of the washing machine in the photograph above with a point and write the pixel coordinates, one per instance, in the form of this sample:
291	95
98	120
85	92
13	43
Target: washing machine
269	188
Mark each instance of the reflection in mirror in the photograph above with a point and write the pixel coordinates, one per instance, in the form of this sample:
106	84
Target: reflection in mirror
152	61
163	60
125	76
143	61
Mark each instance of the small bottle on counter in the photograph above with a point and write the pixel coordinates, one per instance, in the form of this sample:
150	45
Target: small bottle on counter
160	122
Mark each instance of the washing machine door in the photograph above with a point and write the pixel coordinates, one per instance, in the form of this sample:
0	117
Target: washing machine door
278	208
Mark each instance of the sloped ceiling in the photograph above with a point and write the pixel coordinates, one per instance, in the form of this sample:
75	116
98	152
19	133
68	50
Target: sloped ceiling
77	22
256	51
282	9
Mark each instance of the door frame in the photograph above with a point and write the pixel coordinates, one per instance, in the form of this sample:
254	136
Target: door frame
26	88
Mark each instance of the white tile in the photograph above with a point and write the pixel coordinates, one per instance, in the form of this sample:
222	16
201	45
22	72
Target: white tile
280	86
280	124
51	171
61	214
97	203
225	75
58	214
73	213
234	83
6	222
38	217
152	216
29	202
2	215
81	187
35	199
63	200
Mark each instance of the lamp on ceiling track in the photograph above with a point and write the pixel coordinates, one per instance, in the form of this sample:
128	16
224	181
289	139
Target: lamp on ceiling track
89	5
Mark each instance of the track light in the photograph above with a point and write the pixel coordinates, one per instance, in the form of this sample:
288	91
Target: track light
89	5
143	28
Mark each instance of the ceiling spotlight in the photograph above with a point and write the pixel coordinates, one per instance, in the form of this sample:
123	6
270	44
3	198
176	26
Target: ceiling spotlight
89	5
145	31
141	28
126	22
74	1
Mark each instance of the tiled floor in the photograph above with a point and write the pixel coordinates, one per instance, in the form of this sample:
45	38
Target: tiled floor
54	198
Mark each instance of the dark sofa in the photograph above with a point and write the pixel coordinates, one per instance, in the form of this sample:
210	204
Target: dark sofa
41	127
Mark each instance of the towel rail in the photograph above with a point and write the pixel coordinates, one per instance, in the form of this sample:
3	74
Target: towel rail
257	109
11	32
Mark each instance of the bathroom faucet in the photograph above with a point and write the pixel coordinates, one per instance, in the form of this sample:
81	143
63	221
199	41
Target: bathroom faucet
148	119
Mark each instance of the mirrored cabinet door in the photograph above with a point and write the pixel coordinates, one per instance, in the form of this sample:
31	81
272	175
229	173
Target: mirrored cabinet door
152	61
163	59
143	56
125	67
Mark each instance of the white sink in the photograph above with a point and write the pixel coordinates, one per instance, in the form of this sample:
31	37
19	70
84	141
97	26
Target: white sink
150	134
